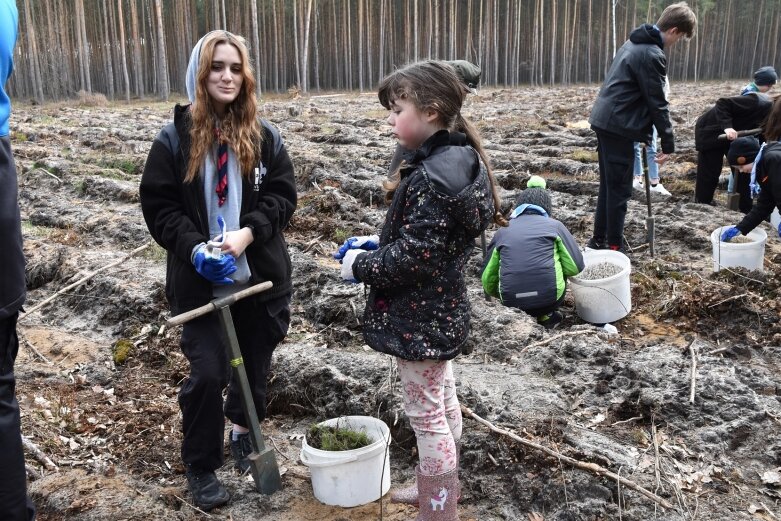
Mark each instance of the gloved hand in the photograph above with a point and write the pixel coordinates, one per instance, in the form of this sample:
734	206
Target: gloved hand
212	269
364	242
779	229
730	233
347	264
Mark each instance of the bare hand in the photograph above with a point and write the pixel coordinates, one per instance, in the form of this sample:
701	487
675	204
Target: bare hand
731	133
236	242
661	158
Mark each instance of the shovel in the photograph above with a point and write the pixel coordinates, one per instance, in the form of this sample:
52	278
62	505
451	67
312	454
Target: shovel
263	464
649	221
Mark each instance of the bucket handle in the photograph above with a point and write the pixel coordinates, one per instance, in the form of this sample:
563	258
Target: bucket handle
320	464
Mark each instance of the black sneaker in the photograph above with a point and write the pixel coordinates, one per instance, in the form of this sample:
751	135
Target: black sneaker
207	491
241	448
551	320
596	244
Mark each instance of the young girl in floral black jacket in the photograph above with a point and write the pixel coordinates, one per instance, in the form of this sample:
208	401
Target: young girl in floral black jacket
441	198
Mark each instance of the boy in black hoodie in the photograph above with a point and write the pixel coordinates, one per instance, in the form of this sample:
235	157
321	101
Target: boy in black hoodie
630	103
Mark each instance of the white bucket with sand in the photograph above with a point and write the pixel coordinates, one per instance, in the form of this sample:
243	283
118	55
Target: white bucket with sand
602	291
744	251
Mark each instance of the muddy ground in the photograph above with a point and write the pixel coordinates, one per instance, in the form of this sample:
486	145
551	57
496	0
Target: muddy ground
110	424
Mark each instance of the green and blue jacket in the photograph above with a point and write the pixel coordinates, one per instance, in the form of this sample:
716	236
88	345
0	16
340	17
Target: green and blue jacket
528	262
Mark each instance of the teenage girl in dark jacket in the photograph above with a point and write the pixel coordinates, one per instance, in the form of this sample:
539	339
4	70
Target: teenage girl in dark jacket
218	159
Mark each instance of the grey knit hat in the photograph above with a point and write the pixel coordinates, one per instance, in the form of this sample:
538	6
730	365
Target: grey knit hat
536	193
765	76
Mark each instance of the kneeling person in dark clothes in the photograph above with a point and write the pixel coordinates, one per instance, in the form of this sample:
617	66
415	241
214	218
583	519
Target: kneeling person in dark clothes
763	163
728	116
529	261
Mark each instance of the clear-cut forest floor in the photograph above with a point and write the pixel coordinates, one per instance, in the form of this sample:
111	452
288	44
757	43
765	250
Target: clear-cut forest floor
620	401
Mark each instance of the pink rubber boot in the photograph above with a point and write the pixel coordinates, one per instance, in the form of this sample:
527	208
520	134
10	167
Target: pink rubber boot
437	496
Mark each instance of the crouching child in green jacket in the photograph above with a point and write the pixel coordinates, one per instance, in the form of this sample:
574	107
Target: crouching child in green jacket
528	262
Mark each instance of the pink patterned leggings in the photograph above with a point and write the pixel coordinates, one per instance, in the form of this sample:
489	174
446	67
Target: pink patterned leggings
430	401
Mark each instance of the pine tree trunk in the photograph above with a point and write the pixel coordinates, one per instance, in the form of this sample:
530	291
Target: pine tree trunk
107	54
256	46
162	73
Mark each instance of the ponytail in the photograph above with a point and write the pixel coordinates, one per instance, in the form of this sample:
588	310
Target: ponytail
473	138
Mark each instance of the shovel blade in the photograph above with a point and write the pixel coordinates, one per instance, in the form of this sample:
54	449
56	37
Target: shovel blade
733	201
265	471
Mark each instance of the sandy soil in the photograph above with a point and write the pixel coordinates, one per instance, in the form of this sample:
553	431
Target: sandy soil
112	430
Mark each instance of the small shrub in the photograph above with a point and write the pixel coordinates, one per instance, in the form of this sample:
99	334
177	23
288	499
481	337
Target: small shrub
585	156
122	350
340	235
336	438
91	99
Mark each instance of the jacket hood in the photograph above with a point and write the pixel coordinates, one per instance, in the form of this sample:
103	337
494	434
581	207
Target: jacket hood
192	67
648	34
459	178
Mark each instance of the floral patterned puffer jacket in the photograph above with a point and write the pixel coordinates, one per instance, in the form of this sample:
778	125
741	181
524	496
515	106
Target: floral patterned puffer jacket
417	308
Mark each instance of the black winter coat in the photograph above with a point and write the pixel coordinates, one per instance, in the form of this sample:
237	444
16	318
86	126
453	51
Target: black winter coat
12	283
769	179
175	213
736	112
632	98
417	308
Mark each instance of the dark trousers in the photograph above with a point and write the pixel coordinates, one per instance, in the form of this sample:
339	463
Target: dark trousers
259	328
546	310
14	503
616	167
709	165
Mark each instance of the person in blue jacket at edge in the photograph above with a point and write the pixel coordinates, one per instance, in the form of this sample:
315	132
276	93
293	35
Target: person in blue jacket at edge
15	505
528	262
763	162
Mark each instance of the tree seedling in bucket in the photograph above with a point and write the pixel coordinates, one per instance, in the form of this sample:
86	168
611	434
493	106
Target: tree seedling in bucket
263	464
325	437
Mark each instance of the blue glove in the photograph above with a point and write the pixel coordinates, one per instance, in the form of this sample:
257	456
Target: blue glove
363	242
212	269
730	233
347	265
779	229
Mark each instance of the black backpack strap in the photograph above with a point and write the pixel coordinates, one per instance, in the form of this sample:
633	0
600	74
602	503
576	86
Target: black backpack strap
170	138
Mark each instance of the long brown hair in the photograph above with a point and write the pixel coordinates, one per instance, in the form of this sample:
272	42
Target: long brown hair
772	126
239	127
434	85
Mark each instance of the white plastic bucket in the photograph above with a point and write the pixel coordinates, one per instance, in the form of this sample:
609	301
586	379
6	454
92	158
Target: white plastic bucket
350	478
603	300
749	255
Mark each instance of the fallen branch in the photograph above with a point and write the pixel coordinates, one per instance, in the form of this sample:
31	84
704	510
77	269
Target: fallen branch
556	337
34	350
192	506
694	370
34	474
38	453
728	299
83	280
592	467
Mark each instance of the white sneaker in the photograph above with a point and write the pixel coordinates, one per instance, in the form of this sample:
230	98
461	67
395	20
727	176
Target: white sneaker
659	189
637	184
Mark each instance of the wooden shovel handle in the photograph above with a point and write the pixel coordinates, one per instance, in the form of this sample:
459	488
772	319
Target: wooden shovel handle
741	133
218	303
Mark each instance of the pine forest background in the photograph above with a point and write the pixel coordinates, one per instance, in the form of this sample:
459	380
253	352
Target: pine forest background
140	48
